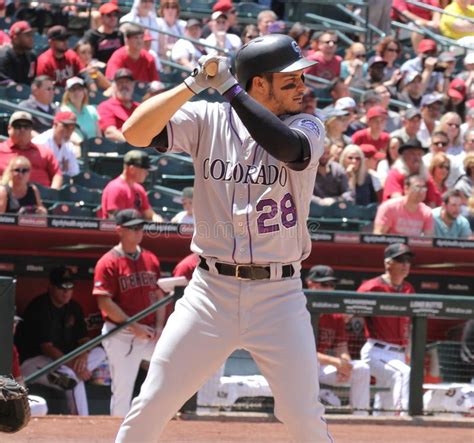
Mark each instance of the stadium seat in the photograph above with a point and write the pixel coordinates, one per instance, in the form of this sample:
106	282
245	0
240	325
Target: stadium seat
177	182
162	197
15	92
49	196
71	210
139	91
96	97
90	180
79	195
249	9
204	6
58	94
174	164
173	77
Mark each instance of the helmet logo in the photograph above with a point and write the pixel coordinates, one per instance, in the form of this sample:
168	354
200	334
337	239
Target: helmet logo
296	48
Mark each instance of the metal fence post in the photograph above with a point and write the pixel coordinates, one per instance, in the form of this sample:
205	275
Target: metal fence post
418	345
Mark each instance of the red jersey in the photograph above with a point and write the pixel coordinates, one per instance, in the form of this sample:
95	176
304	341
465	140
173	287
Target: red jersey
112	112
402	6
59	69
130	282
389	329
143	68
186	266
394	184
118	194
331	332
44	165
362	136
325	69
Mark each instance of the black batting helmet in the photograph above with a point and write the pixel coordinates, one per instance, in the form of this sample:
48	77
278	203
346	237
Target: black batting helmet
269	53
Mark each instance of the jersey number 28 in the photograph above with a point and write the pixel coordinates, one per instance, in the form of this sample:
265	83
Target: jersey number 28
271	209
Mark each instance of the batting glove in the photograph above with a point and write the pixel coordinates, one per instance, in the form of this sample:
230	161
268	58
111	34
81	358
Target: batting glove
223	80
197	81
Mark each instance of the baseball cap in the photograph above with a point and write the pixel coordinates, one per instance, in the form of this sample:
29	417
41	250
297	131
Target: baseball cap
410	76
217	14
21	27
369	96
412	112
66	117
321	274
129	217
20	115
58	32
73	81
457	89
193	22
376	59
138	158
345	103
123	73
333	112
427	45
223	5
370	151
412	143
429	99
397	250
376	111
469	59
61	277
108	8
464	187
147	37
446	57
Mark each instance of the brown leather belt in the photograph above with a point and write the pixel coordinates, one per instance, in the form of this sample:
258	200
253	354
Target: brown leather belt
390	347
247	272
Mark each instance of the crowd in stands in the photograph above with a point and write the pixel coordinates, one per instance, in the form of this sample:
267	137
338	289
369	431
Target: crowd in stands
398	109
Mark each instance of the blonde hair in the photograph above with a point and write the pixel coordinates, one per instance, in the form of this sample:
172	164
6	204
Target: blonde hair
66	100
468	163
7	174
362	172
437	160
442	126
353	48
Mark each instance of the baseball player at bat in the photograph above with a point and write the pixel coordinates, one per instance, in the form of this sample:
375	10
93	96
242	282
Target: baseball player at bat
255	160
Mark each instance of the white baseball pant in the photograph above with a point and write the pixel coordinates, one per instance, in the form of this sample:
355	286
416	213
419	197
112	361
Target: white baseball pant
359	395
390	370
125	352
77	397
217	315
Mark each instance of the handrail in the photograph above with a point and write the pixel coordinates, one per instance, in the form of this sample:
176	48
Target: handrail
359	19
440	10
171	64
332	22
96	340
326	23
15	107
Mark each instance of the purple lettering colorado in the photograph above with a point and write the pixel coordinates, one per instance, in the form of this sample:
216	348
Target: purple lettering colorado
137	280
221	170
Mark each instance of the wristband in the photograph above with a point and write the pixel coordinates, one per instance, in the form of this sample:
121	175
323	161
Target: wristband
232	92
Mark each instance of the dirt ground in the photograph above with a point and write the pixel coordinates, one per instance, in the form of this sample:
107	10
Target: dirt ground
100	429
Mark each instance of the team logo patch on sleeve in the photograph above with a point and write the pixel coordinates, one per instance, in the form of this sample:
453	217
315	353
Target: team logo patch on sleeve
310	125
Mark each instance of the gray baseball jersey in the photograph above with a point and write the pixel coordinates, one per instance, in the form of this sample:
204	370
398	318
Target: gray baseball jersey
248	206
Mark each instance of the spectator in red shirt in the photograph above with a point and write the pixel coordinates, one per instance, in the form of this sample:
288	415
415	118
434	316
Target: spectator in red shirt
329	64
409	162
133	56
387	337
59	62
114	111
44	166
126	191
375	133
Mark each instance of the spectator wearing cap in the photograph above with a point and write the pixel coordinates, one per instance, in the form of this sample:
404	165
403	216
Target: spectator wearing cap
220	37
76	100
360	181
375	133
187	53
424	63
456	100
431	107
347	104
354	66
329	63
18	61
228	8
58	140
53	325
106	38
44	166
386	349
331	183
41	99
411	91
448	220
127	191
133	56
368	100
336	122
186	215
59	62
411	125
169	21
143	13
455	26
410	162
336	365
375	72
114	111
439	144
264	20
394	121
126	283
451	124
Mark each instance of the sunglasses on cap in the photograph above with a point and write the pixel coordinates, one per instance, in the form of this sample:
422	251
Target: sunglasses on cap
21	170
65	285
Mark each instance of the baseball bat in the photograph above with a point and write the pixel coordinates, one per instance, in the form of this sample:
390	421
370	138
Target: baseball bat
211	68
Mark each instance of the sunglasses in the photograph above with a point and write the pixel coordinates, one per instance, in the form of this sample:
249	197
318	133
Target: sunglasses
22	126
65	285
440	144
393	50
403	259
444	167
454	125
21	170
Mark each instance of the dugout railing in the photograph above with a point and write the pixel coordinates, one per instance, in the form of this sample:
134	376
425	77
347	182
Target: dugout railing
419	307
